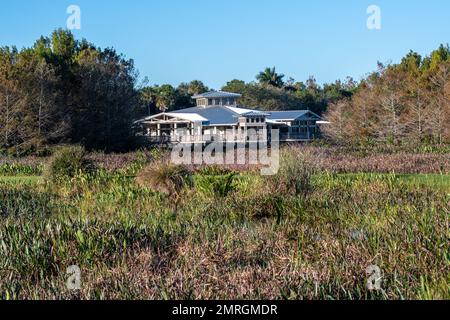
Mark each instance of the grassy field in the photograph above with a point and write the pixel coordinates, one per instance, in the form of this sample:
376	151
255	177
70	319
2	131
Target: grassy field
20	180
303	234
431	181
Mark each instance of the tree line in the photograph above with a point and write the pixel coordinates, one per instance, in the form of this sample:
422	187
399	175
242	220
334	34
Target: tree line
404	103
270	91
63	90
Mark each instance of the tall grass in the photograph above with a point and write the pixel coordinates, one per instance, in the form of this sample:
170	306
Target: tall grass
19	169
311	238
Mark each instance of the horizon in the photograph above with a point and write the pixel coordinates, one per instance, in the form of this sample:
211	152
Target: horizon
172	47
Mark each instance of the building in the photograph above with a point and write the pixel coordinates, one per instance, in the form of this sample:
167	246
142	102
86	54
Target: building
218	117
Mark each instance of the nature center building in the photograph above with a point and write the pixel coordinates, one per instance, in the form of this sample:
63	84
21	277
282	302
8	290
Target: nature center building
218	117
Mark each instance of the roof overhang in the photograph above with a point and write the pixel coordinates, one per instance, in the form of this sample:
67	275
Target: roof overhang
176	117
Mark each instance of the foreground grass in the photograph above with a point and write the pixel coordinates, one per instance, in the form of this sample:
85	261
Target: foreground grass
20	180
134	243
431	181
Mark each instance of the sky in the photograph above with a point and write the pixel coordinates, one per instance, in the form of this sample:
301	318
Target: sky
174	41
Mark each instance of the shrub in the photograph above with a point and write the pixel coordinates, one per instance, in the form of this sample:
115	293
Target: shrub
295	173
215	181
164	177
67	162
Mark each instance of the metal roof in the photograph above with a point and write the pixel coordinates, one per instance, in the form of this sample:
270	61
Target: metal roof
217	94
287	115
215	115
255	113
224	115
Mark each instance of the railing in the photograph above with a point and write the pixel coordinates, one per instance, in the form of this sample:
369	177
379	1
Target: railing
295	136
206	138
228	138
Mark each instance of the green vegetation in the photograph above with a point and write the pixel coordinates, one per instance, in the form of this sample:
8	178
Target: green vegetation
20	180
67	162
432	181
13	169
139	227
215	181
311	236
61	90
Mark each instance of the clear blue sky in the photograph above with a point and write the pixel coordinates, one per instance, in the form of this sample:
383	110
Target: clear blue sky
215	41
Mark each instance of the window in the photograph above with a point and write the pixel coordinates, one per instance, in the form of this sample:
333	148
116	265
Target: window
210	102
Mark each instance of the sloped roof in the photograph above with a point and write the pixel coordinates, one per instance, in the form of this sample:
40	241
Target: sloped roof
188	116
248	112
225	115
215	115
287	115
217	94
240	110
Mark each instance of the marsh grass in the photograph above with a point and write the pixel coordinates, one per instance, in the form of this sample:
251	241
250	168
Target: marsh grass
253	242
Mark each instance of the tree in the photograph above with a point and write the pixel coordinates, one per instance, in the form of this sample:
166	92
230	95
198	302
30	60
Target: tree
390	95
192	88
439	111
43	120
270	77
337	115
107	101
147	98
185	91
165	98
417	106
235	86
9	96
401	103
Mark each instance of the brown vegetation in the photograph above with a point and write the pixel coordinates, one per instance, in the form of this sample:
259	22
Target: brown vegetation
405	103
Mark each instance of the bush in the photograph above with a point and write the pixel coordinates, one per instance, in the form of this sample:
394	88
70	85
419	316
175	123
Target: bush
295	173
165	178
215	181
67	162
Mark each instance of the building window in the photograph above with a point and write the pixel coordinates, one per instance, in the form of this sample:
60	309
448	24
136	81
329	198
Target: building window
210	102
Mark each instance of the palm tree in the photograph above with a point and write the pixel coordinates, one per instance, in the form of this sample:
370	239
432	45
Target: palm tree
271	77
165	98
